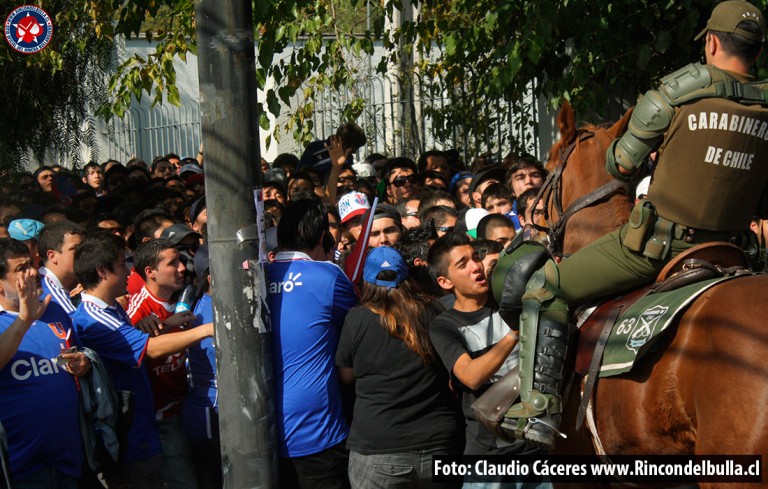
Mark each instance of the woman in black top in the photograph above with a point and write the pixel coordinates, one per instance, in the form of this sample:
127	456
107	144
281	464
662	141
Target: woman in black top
404	411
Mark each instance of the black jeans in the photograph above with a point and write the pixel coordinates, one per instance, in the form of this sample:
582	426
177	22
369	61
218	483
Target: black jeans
322	470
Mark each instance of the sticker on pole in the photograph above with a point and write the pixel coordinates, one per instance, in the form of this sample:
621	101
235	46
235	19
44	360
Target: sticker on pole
28	29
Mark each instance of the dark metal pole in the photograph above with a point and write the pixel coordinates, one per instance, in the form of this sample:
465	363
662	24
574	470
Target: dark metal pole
229	113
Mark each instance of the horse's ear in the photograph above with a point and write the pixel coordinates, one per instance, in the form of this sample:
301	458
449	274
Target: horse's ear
566	122
621	125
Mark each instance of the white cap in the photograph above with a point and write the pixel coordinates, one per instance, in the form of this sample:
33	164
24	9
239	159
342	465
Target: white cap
364	170
473	218
352	204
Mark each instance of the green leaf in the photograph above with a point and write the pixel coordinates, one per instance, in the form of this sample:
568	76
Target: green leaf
450	45
515	61
273	104
534	51
490	20
285	94
173	96
261	77
264	121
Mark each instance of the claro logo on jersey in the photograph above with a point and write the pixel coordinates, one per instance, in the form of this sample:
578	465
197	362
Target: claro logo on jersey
28	29
287	285
23	369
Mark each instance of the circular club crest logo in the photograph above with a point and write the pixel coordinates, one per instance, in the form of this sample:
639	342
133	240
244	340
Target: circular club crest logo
28	29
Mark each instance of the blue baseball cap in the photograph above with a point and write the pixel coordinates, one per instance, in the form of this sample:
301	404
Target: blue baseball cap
384	258
24	229
457	177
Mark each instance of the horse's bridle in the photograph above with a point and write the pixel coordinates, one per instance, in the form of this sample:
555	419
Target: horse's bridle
552	193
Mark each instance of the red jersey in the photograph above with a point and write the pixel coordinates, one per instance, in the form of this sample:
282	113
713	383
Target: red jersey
135	283
167	376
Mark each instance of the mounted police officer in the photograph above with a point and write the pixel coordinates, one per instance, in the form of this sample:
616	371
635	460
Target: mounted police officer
709	125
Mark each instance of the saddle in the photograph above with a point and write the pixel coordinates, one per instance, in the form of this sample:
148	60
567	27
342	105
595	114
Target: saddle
708	260
702	262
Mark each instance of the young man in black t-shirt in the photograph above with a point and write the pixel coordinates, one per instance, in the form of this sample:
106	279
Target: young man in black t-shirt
474	343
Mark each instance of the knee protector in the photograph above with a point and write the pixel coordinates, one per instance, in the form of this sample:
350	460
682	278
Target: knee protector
544	333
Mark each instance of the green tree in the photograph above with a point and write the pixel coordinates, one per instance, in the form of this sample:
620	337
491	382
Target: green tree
50	95
474	53
598	55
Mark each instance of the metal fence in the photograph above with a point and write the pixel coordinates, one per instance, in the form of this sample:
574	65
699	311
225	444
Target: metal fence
147	132
501	126
388	113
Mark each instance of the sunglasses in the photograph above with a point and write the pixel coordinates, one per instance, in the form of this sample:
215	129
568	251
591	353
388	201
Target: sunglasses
344	180
401	181
445	229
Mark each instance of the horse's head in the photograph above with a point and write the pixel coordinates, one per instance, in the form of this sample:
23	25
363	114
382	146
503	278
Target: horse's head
595	139
577	168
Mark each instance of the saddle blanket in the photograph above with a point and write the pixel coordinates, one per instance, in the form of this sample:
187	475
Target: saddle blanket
637	329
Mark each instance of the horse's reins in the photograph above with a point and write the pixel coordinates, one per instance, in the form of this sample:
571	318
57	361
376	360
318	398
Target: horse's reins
552	193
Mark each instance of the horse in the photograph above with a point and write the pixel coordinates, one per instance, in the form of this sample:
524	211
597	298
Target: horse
705	391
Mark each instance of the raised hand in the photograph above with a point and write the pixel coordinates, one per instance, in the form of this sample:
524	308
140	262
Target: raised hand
337	152
30	308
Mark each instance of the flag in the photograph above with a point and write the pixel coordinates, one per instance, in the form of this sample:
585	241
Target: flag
353	265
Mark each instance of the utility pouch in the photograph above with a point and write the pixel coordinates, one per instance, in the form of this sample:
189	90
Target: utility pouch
658	246
641	221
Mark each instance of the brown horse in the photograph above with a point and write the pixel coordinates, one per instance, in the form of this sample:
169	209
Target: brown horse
706	391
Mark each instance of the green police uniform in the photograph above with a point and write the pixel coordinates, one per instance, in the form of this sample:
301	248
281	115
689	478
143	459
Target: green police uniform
710	128
711	174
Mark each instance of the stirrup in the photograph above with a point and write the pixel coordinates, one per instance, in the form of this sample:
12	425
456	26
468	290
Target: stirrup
537	431
555	429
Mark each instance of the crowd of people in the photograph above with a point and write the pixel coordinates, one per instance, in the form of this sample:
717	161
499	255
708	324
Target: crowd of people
375	378
372	379
115	246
